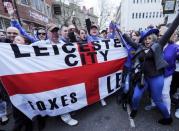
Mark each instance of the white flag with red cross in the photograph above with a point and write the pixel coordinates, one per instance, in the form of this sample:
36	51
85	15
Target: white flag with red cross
51	80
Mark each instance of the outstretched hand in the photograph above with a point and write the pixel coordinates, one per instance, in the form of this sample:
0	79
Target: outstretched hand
116	27
12	14
9	8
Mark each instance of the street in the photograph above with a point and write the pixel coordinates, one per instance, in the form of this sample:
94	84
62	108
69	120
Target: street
109	118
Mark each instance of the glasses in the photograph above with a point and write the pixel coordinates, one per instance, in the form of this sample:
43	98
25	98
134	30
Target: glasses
41	33
14	33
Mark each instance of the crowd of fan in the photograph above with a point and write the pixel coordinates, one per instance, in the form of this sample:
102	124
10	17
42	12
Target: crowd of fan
53	34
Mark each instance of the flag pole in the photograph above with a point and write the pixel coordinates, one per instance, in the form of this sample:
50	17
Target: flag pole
17	12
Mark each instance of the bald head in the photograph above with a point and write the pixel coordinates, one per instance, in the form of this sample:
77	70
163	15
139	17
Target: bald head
12	32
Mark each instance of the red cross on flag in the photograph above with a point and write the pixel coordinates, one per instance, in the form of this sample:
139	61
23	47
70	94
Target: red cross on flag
51	80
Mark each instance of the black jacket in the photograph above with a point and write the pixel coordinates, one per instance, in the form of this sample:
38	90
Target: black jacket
157	47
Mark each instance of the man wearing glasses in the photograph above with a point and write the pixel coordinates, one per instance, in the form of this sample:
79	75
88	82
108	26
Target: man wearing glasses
41	34
52	34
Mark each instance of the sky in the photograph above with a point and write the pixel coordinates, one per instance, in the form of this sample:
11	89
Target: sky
95	4
111	4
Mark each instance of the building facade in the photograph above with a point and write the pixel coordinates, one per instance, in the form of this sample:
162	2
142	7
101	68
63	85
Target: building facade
172	16
138	14
72	13
32	13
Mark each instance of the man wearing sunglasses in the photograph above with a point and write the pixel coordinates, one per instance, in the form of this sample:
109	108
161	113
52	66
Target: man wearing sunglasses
52	35
41	33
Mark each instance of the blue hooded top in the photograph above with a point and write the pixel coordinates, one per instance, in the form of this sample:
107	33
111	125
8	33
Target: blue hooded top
171	53
23	32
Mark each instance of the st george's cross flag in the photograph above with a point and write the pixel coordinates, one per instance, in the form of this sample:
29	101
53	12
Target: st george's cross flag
46	79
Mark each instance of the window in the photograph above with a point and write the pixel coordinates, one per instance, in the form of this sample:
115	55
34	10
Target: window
143	15
160	14
33	3
132	15
43	6
150	14
137	1
134	1
157	14
7	23
48	11
151	1
4	23
37	4
153	14
139	15
147	15
147	1
136	15
25	2
1	26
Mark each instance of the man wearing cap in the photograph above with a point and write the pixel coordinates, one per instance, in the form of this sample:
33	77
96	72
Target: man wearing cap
93	34
52	34
53	38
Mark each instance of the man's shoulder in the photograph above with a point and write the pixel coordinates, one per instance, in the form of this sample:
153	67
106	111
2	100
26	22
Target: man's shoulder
41	42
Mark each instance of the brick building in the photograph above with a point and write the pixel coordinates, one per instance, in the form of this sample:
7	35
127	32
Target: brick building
73	12
33	13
